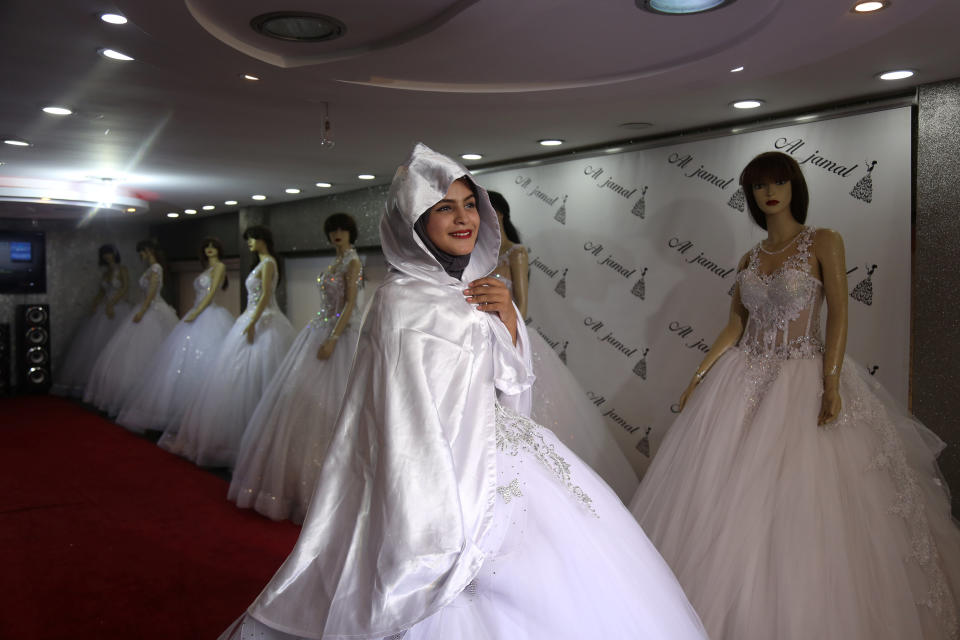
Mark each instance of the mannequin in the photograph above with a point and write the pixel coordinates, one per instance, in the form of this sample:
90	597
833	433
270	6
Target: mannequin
792	497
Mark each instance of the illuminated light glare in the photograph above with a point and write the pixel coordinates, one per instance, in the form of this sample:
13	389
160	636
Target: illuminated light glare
553	142
113	18
747	104
57	111
292	190
366	176
131	210
247	76
173	214
896	75
45	199
736	70
208	207
471	156
324	185
189	212
230	203
867	7
115	55
16	143
259	197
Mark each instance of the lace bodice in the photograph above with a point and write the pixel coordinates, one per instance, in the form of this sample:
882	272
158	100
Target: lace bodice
144	282
784	306
112	284
332	283
503	263
254	285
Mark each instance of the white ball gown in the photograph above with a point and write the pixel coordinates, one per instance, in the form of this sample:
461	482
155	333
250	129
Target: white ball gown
286	439
128	352
441	514
213	424
90	338
181	364
560	404
778	528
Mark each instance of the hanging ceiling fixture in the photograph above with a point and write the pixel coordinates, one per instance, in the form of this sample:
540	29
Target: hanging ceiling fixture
326	129
298	26
681	7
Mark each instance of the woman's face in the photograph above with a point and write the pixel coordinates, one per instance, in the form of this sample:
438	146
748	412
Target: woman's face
773	196
211	251
455	220
252	244
339	238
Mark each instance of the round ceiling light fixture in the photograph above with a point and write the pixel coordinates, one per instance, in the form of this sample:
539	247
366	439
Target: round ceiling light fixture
113	18
297	26
472	156
870	6
681	7
173	214
190	212
115	55
57	111
16	142
230	203
900	74
366	176
259	197
291	190
551	142
250	77
208	207
324	185
747	104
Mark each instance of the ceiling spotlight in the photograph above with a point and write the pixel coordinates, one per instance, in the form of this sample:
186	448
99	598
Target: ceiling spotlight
173	214
131	210
747	104
259	197
190	212
471	156
366	176
208	207
870	6
115	55
292	190
230	203
551	142
113	18
247	76
897	75
45	199
681	7
57	111
324	185
298	26
736	70
15	142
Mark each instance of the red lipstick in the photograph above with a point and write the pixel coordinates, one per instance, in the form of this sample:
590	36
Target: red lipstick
771	203
466	233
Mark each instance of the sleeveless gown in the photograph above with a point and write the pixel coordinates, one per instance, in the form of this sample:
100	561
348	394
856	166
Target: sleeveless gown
561	405
129	350
213	423
778	528
180	366
286	439
89	340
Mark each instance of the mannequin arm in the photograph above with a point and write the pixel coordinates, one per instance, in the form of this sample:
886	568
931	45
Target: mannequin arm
216	279
828	248
519	270
151	294
266	282
352	281
124	284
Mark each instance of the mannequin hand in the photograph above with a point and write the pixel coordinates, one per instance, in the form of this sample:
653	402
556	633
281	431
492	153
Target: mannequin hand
190	317
493	296
829	406
109	310
138	317
249	332
326	349
686	394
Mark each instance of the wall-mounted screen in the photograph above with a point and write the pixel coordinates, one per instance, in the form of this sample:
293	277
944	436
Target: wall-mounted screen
23	264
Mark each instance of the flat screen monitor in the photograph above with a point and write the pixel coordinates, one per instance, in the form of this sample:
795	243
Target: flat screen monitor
23	262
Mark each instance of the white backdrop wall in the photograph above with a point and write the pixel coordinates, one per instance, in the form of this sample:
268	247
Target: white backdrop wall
633	256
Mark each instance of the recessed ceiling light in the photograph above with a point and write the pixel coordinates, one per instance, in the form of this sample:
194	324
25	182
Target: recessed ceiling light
247	76
45	199
259	197
173	214
897	75
115	55
292	190
681	7
57	111
131	210
551	142
190	212
870	6
635	125
747	104
14	142
471	156
208	207
298	26
324	185
736	70
113	18
230	203
366	176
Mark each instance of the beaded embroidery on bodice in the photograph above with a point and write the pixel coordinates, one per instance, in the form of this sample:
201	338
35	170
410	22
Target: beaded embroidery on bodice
254	285
144	281
332	284
201	285
784	306
112	284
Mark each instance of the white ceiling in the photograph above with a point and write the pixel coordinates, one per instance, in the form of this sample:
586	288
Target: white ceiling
180	128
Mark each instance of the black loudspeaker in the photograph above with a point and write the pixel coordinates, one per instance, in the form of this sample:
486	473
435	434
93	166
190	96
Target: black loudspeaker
33	348
6	382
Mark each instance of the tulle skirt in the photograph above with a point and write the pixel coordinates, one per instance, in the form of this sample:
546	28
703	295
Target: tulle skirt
287	436
88	342
565	560
560	404
126	355
173	377
213	424
778	528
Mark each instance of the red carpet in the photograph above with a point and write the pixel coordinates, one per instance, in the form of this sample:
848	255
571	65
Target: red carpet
104	535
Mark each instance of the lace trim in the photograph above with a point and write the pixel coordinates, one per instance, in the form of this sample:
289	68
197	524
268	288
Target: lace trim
516	433
510	491
798	261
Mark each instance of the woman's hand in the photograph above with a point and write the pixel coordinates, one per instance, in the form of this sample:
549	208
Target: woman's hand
830	405
138	317
493	296
326	349
250	332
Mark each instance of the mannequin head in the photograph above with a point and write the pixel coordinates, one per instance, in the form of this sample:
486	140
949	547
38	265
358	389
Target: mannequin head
108	256
211	249
148	251
341	230
774	185
453	223
502	207
259	239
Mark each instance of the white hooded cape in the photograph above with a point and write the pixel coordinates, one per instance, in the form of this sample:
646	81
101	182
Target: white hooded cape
407	491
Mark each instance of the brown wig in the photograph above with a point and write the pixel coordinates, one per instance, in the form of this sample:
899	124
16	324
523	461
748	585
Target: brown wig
158	255
773	166
107	249
260	232
343	222
501	206
204	262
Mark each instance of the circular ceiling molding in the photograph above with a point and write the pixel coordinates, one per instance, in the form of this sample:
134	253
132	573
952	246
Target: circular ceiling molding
298	26
681	7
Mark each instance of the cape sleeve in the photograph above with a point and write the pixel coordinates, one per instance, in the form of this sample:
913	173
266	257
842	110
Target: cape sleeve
512	366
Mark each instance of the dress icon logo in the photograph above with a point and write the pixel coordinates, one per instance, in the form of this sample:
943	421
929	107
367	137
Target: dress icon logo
640	368
873	370
640	206
640	288
644	445
561	215
863	292
863	190
738	200
561	287
563	352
